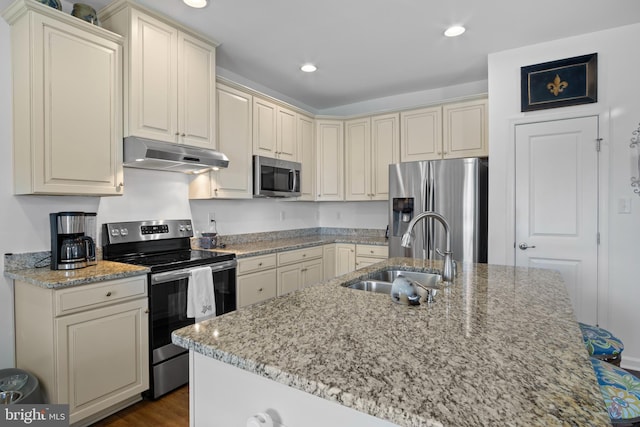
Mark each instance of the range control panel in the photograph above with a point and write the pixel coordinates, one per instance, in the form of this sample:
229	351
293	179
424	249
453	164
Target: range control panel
139	231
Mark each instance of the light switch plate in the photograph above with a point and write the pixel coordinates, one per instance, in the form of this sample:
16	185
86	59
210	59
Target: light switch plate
624	205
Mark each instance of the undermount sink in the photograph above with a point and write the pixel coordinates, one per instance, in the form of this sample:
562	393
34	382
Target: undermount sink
372	286
381	282
428	279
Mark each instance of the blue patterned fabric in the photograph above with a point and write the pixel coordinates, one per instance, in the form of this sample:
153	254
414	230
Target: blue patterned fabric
600	343
620	391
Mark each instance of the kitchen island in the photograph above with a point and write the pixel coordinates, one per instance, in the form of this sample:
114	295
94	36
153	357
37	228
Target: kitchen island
500	346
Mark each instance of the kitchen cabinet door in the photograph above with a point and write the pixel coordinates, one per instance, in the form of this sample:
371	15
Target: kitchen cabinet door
289	278
196	92
345	258
330	160
67	104
102	357
329	258
357	159
421	134
153	81
287	144
385	150
256	287
274	131
465	129
170	91
312	272
307	157
265	115
234	109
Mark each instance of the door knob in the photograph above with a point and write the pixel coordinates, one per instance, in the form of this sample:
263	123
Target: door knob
524	246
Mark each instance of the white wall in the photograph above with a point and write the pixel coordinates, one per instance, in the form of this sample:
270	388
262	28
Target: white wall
619	109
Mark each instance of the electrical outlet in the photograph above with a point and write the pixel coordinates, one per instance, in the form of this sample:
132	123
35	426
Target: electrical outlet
212	217
338	215
282	216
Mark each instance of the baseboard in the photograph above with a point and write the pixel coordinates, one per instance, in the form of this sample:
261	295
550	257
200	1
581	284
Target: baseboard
632	363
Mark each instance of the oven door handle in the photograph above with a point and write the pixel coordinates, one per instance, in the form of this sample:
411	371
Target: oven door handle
186	272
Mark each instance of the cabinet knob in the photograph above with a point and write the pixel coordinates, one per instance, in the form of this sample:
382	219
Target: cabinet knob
259	289
371	251
259	264
177	133
183	135
304	255
146	311
109	293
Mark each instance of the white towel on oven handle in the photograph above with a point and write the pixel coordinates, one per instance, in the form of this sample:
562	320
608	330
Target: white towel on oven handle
201	300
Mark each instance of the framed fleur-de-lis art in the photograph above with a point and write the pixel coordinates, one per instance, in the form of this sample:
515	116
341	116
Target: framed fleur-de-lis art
561	83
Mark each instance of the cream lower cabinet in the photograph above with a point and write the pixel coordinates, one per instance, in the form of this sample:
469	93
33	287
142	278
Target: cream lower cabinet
234	109
256	279
299	268
370	254
329	260
345	258
67	103
88	345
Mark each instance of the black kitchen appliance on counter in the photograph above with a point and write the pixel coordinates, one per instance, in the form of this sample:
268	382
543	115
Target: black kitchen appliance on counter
165	247
72	240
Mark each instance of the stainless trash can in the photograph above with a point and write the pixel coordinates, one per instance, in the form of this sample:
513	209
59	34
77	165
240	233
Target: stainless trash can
29	391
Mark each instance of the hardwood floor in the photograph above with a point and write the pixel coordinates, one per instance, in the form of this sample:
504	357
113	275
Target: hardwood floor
171	410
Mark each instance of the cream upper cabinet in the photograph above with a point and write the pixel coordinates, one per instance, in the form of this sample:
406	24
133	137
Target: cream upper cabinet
329	160
67	103
171	71
307	157
371	144
274	131
465	129
421	134
449	131
234	109
357	159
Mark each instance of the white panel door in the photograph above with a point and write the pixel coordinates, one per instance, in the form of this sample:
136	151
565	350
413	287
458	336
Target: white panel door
557	205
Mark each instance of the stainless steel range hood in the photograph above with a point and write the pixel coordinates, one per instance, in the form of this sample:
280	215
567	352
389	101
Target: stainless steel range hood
150	154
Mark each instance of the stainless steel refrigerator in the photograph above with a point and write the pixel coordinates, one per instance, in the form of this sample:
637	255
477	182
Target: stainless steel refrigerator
457	189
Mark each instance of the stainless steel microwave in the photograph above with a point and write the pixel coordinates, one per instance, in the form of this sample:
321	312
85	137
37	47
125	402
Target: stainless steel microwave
275	178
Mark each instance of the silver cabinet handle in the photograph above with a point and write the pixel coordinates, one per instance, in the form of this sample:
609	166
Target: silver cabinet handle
524	246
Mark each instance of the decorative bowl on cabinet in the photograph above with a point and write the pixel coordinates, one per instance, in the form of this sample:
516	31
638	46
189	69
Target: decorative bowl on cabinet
85	12
56	4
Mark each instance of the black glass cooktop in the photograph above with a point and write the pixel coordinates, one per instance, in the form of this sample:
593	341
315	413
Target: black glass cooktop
174	260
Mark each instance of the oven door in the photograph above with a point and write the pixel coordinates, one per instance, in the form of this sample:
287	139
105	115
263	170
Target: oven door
168	304
168	312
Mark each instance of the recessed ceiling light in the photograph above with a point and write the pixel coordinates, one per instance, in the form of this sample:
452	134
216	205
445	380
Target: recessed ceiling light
308	68
454	31
195	3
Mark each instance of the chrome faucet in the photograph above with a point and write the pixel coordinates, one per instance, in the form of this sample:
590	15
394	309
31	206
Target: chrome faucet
447	273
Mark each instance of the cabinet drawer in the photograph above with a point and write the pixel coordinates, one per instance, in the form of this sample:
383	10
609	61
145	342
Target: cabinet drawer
372	251
99	294
256	287
298	255
256	263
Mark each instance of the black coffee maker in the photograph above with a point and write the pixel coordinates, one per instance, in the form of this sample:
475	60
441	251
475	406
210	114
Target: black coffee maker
72	240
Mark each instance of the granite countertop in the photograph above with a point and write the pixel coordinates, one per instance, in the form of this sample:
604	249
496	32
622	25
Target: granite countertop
54	279
501	346
264	247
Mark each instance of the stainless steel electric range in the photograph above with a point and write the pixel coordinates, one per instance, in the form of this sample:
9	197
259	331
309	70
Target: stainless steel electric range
165	247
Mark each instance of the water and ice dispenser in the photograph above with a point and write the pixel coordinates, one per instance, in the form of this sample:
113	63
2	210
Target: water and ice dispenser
403	213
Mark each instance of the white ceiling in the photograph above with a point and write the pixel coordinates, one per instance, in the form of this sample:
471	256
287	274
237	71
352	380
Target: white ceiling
367	49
